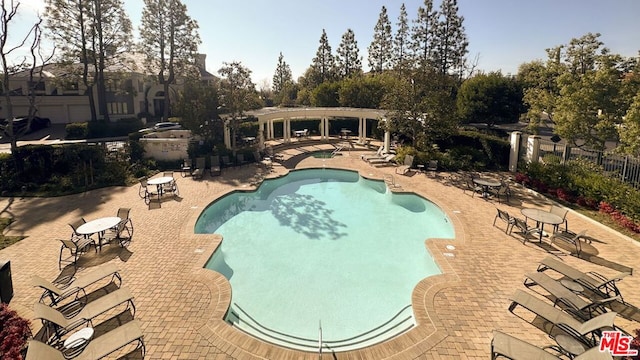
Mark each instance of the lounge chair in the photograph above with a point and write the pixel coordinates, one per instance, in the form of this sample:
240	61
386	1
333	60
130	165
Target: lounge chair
76	248
563	320
97	348
198	172
55	293
378	154
513	348
226	161
574	304
406	166
62	323
214	170
504	216
385	160
596	282
240	159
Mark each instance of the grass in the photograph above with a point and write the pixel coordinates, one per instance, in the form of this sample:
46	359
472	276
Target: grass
6	241
606	220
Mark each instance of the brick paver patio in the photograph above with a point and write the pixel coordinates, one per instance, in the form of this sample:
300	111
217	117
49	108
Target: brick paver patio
181	305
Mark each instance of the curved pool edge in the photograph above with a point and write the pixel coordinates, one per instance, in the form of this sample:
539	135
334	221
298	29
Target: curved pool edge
429	329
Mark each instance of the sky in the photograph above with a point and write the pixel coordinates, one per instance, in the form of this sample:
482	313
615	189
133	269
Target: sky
502	34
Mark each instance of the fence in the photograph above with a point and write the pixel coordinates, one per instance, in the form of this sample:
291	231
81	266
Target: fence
625	168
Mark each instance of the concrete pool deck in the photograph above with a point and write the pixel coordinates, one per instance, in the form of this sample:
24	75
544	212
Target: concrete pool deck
181	305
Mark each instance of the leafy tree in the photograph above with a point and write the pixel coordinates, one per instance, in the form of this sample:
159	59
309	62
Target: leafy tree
169	42
323	65
423	35
629	131
283	76
582	53
325	95
362	92
589	106
238	94
451	40
348	59
401	41
491	98
421	107
197	106
96	32
380	54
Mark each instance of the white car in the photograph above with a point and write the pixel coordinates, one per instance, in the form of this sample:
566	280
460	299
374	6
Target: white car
162	126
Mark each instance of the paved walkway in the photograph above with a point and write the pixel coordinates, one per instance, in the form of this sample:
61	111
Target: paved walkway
181	305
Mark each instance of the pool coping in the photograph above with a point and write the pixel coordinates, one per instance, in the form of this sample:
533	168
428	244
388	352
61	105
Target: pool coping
429	329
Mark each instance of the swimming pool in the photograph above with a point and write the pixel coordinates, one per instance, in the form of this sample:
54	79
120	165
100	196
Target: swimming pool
323	246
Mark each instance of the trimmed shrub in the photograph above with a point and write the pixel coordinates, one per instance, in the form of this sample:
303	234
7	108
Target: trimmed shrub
14	332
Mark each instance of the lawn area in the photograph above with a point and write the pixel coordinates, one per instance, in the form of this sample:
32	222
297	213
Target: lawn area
606	220
6	241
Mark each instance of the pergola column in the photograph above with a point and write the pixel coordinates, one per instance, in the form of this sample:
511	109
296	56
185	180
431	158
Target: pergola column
287	129
387	142
362	130
227	134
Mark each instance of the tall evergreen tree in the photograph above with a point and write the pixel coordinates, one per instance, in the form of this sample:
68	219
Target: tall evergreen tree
451	39
401	41
423	34
323	65
380	49
96	33
348	58
283	76
582	53
170	41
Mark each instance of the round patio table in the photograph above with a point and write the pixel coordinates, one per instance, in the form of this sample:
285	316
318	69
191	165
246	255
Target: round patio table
486	184
98	226
159	181
541	217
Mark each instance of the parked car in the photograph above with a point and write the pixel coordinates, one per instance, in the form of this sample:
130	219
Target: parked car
20	123
162	126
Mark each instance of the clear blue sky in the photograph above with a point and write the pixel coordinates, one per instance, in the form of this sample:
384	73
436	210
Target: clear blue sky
503	33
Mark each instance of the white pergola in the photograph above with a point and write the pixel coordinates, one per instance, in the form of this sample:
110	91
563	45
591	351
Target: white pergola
267	117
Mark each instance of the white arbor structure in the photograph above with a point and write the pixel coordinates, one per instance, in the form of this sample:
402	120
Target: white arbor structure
268	116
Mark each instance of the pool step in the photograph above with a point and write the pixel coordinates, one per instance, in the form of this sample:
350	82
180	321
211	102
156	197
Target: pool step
398	324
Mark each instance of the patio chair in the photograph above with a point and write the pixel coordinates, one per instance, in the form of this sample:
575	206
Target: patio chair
596	282
504	216
502	191
97	348
527	232
74	226
214	170
513	348
58	292
406	166
432	166
562	212
590	330
226	161
469	185
76	248
571	239
574	304
198	172
185	169
146	193
241	160
61	323
124	226
385	160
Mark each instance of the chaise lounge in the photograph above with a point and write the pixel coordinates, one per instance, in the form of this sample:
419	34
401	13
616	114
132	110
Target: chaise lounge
504	345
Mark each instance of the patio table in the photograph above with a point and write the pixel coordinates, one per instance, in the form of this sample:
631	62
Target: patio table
98	226
486	184
541	217
158	182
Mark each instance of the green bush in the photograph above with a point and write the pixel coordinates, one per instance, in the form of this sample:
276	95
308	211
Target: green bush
78	130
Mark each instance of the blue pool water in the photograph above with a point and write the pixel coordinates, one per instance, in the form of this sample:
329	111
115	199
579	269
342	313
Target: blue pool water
322	245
